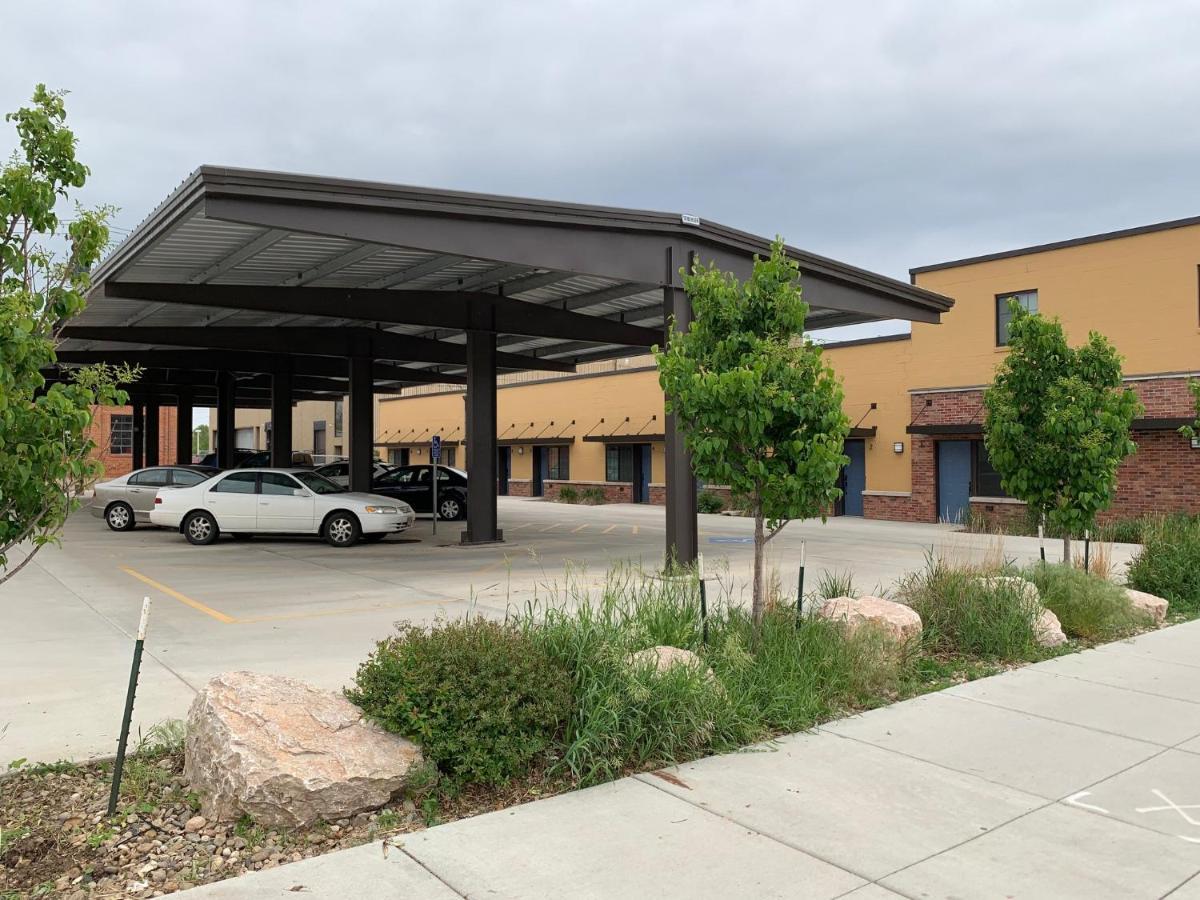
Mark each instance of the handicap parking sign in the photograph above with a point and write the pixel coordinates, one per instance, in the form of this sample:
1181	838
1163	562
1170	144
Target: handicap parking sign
435	448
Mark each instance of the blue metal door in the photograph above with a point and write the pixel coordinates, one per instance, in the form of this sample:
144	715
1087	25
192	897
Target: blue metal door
953	480
643	475
855	477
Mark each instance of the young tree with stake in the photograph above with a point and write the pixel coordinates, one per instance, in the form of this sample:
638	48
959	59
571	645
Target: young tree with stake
759	409
1057	423
44	447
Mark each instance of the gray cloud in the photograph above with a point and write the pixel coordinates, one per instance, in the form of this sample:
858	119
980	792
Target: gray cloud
888	134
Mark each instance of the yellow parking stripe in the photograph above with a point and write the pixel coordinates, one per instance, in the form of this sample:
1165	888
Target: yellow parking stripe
182	598
608	529
579	529
635	529
550	527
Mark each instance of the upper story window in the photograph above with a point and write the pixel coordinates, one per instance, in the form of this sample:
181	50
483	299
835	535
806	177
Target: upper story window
120	435
1027	300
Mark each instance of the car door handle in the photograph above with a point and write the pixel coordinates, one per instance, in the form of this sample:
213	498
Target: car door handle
263	503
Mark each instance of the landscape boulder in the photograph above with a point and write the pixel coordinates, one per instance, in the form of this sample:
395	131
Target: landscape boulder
1048	630
664	657
1155	607
898	622
288	754
1020	586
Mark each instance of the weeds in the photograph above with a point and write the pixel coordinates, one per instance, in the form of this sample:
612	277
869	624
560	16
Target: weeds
835	584
965	612
567	494
1169	563
1087	606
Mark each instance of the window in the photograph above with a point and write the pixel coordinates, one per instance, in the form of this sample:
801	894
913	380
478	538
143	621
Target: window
558	463
237	483
423	474
985	481
1027	300
187	478
319	485
149	478
279	485
338	417
120	435
398	457
396	476
618	463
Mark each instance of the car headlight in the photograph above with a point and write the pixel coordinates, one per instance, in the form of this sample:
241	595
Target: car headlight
385	510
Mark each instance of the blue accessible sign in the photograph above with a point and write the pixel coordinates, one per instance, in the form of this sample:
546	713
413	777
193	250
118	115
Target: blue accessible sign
435	448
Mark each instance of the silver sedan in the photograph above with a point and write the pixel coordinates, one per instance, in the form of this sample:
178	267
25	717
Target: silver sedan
125	501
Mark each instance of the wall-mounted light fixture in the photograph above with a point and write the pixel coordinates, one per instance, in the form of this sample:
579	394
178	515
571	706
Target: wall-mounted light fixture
520	451
898	447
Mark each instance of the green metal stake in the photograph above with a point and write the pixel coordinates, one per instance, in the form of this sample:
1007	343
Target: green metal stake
800	588
1041	541
1087	546
123	742
703	599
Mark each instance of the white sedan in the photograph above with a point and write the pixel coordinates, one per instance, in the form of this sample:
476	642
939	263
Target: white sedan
242	502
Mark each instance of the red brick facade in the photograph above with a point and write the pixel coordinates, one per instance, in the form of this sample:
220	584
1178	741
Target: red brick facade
1162	476
614	491
520	487
117	464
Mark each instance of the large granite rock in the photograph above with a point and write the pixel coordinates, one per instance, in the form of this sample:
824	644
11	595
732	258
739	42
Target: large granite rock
895	620
1023	588
664	657
1047	631
288	754
1155	607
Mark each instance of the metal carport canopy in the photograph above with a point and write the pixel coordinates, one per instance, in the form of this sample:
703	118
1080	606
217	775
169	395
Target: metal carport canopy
244	262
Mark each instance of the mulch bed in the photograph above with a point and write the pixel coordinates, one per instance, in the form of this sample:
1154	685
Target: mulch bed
56	841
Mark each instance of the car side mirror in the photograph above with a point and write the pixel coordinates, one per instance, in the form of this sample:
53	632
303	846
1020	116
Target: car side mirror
299	492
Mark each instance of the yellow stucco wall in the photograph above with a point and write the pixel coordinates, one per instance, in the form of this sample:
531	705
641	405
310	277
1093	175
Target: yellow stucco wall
528	409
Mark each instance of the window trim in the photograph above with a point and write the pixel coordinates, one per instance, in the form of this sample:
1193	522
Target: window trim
257	483
1002	341
112	421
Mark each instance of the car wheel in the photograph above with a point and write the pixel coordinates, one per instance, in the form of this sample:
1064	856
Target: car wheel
342	530
119	517
200	528
374	537
451	508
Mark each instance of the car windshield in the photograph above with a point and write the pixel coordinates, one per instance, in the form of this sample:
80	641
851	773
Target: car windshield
318	484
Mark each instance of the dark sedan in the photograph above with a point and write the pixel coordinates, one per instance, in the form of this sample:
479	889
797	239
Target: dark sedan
414	486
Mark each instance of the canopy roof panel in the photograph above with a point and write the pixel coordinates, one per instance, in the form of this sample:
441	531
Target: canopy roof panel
559	283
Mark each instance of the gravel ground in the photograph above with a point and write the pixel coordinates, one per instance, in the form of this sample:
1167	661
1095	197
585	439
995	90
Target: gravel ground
55	840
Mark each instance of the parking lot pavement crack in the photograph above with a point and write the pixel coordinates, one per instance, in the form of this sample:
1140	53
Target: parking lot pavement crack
1179	887
116	626
433	874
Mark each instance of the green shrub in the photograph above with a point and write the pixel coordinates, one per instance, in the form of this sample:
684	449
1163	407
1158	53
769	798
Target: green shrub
1169	563
482	699
1122	531
568	494
963	613
592	495
835	583
1087	606
708	502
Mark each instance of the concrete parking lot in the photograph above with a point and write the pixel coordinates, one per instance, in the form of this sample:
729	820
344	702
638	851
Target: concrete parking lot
299	607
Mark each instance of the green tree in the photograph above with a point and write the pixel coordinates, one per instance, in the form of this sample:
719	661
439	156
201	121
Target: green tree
1058	421
45	451
759	409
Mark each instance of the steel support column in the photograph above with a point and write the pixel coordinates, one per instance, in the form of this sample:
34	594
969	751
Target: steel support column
138	460
682	537
183	426
281	417
481	439
153	416
226	419
362	422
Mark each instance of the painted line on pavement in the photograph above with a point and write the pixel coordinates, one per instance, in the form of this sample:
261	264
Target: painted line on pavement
579	529
182	598
635	529
608	530
550	527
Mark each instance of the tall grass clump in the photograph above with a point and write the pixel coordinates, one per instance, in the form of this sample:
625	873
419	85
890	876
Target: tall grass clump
965	610
746	686
1087	606
1168	564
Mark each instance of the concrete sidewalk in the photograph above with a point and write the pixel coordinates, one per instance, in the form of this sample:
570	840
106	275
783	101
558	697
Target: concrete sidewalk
1077	777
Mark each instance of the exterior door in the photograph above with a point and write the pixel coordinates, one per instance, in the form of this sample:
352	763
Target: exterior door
953	480
641	481
854	478
539	471
279	509
503	470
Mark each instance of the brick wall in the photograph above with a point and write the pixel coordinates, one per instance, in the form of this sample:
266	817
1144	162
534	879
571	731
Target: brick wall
520	487
614	491
1163	476
117	464
658	493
